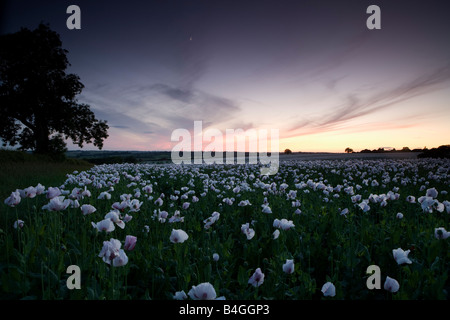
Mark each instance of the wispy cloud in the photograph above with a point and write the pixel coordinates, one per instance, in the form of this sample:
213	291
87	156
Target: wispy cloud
196	104
179	94
152	111
356	105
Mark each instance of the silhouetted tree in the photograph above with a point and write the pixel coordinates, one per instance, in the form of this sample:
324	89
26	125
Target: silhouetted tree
406	149
37	97
440	152
287	151
348	150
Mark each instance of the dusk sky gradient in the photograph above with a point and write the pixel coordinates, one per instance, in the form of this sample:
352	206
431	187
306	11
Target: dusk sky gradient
311	69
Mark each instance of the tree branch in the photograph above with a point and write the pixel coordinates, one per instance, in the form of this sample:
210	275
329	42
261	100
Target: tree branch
26	123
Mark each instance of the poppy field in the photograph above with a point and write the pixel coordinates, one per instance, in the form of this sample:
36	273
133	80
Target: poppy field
162	232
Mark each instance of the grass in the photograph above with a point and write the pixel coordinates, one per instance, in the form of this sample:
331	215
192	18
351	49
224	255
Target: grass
20	170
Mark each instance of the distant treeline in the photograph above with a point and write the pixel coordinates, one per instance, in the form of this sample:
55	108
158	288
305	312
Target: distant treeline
439	152
109	157
111	160
383	150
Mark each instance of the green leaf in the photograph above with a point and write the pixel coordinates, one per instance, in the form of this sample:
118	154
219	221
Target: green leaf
242	276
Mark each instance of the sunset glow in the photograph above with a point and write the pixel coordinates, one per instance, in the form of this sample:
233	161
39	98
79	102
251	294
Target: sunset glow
313	71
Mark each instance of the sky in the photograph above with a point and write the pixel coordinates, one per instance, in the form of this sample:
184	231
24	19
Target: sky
311	69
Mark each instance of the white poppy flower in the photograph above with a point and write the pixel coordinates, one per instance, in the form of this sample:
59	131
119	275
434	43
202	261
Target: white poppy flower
266	209
14	199
18	224
104	195
276	234
441	233
178	236
111	252
114	216
432	192
401	256
180	295
288	267
203	291
53	192
283	224
121	259
364	206
105	225
57	204
391	285
249	232
29	192
328	289
87	209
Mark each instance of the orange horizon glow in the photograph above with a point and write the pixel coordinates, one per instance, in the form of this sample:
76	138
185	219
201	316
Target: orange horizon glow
334	142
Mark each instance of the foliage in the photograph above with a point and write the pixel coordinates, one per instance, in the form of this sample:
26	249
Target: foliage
440	152
38	98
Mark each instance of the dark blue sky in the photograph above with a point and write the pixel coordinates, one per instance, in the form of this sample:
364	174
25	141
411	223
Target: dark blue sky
309	68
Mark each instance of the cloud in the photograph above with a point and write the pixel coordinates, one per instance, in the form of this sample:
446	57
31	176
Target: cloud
194	104
356	105
331	84
154	108
179	94
148	113
309	61
340	56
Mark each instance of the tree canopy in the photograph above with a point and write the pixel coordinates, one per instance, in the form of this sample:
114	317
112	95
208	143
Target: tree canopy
39	109
348	150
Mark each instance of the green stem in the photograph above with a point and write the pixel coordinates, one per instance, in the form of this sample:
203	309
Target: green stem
19	237
126	283
42	280
112	280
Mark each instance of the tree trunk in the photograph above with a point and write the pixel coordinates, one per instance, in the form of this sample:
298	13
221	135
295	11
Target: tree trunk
42	143
42	136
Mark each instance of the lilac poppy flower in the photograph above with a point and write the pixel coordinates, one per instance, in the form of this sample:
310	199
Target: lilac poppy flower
257	278
288	267
14	199
203	291
391	285
130	242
